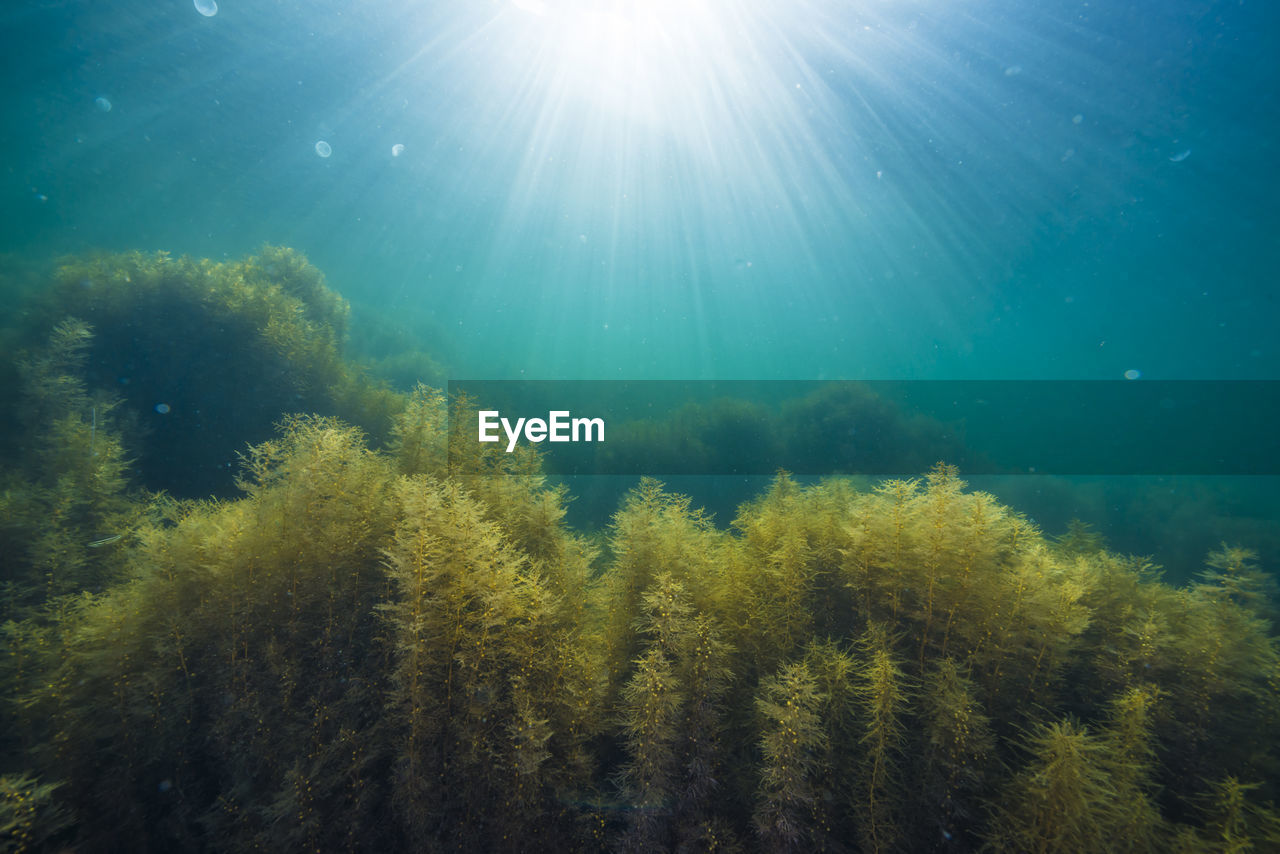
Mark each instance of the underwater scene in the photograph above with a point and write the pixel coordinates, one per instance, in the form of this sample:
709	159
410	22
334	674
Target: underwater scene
639	426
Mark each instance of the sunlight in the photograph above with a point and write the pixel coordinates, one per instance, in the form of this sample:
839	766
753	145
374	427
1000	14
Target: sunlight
678	164
645	61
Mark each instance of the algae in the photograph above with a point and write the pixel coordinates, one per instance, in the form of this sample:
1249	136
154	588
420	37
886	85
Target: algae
373	646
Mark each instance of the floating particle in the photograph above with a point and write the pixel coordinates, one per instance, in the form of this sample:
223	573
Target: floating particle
208	8
323	148
1180	156
397	149
102	104
162	408
1133	374
1013	71
1077	119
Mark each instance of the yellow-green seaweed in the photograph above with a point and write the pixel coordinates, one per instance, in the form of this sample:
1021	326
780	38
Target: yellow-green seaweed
373	646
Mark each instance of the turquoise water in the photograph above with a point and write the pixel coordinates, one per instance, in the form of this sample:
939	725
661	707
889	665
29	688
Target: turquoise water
688	190
260	589
765	190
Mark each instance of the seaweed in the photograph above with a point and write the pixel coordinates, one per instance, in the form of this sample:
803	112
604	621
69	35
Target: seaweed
206	356
388	640
670	718
367	648
790	814
65	506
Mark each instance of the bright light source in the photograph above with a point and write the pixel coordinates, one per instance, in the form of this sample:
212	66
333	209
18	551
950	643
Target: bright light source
536	7
649	61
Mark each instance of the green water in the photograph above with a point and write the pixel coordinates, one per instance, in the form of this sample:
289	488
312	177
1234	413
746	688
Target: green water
766	190
258	592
